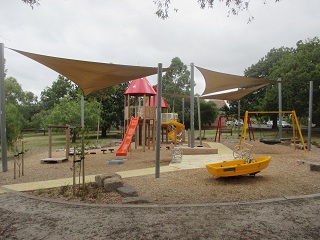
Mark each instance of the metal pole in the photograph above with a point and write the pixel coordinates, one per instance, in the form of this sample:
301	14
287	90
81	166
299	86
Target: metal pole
158	136
184	132
280	108
183	111
82	140
239	118
310	116
192	104
82	112
199	120
3	112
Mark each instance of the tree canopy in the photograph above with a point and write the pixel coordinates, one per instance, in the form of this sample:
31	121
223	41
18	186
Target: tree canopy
163	6
233	6
31	3
296	67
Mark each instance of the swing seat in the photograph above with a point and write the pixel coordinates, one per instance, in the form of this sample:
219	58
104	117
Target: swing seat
270	141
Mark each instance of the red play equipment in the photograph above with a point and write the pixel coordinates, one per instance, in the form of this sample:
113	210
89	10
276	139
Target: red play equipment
222	129
126	142
143	121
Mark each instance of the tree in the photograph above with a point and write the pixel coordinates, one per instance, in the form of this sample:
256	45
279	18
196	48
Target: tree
13	124
112	102
59	89
163	6
296	67
68	112
208	113
234	6
177	81
31	3
26	102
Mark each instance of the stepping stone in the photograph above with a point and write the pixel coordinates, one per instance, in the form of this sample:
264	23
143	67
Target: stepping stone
116	161
111	184
127	191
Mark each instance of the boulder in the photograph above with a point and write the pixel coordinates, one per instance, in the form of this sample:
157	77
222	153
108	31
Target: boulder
116	176
99	179
111	184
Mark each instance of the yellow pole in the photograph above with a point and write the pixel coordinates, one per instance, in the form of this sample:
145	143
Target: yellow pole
299	130
244	128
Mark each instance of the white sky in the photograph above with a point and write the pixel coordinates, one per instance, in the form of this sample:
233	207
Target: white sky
128	32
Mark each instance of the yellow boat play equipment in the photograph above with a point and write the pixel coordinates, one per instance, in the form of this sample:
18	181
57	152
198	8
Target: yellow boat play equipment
238	167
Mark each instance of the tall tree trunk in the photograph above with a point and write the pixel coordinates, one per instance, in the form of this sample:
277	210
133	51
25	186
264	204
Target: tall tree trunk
104	131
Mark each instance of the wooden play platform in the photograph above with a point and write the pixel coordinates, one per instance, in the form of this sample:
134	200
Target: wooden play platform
53	160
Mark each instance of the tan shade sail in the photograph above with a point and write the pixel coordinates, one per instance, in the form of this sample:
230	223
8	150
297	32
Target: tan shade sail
216	82
234	96
92	76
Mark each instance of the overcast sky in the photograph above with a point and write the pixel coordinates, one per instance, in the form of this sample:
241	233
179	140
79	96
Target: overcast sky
128	32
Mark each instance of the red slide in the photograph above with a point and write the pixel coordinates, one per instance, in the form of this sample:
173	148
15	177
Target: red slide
123	149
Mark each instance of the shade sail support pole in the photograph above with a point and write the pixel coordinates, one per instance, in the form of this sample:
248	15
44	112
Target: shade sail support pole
199	120
3	112
280	108
192	105
310	116
158	134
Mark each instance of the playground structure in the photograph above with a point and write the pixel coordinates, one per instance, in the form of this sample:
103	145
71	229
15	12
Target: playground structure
50	159
171	128
140	119
145	129
221	127
295	127
126	142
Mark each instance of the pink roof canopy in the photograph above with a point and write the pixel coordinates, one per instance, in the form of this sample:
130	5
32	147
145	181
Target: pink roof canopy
153	100
140	87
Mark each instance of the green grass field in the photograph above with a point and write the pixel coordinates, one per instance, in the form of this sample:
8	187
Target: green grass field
38	142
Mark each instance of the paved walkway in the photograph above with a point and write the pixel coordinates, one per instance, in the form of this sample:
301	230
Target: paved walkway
188	162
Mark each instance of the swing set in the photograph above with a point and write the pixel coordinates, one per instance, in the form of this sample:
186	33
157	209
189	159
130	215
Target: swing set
295	127
220	129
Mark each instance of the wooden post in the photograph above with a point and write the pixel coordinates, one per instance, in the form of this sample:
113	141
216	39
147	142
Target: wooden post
14	165
74	171
82	159
153	132
50	141
22	160
124	116
67	141
149	134
188	137
136	114
144	124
